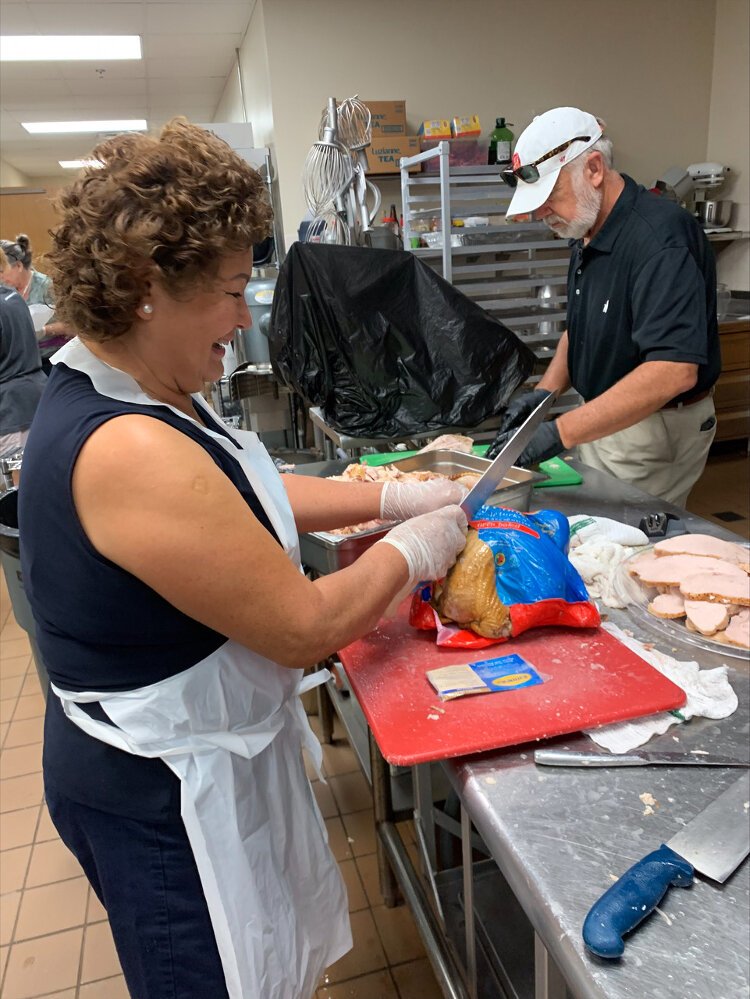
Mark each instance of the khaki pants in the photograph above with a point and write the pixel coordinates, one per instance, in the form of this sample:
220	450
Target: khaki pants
664	454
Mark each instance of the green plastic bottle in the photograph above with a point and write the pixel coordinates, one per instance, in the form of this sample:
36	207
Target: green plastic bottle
501	139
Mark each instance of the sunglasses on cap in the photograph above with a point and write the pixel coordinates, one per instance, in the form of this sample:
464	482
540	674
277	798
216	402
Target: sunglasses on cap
529	172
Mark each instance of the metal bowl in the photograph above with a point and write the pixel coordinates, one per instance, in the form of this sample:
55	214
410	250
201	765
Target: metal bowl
714	213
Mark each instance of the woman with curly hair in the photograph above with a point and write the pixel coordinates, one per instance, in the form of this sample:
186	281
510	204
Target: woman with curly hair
161	559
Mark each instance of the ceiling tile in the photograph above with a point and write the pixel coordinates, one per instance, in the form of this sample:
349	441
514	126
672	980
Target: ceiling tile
198	18
85	19
200	47
172	68
17	19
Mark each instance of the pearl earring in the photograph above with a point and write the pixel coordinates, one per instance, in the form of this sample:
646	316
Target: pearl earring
148	308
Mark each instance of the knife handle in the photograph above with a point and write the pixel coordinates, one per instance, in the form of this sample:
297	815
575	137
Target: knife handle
627	903
584	758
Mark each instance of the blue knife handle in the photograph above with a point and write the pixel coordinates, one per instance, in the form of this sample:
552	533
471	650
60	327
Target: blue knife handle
627	903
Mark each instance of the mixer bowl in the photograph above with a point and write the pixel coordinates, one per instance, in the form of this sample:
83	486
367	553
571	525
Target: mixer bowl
713	213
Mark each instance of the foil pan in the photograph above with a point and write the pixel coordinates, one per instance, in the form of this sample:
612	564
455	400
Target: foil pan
326	552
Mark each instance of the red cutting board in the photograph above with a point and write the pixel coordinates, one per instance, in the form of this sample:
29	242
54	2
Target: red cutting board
591	679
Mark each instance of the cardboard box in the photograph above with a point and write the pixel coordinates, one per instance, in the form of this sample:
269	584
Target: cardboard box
388	117
435	128
384	155
466	126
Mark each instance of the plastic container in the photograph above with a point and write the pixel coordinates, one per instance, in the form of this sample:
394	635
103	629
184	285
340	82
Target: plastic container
641	595
462	153
501	139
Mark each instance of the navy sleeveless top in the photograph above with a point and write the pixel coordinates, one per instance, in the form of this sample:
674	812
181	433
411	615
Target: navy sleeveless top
98	627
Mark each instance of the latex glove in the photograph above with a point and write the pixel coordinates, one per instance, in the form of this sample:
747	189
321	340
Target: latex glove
430	543
517	411
544	444
401	500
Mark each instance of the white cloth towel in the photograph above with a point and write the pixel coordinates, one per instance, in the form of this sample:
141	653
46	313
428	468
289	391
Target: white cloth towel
709	695
598	546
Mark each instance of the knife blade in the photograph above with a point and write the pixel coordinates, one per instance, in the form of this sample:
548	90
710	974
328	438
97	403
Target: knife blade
494	474
715	842
589	758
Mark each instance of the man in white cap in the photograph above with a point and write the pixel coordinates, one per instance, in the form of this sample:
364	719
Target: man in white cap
642	344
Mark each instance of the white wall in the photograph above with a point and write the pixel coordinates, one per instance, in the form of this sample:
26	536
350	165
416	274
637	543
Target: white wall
645	66
728	137
256	90
10	177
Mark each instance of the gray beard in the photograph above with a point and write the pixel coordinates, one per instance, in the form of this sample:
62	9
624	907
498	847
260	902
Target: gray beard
588	204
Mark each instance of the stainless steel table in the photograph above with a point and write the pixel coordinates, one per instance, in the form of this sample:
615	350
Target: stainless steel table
560	836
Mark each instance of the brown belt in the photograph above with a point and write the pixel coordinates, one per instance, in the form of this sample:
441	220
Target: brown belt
698	397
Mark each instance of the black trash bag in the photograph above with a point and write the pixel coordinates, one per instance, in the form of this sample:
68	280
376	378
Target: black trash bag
385	347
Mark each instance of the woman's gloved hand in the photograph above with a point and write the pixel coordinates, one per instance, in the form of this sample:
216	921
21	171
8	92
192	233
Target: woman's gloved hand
430	542
401	500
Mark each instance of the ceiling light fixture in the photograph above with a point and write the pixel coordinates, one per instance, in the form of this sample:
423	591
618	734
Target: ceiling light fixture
59	48
126	125
79	164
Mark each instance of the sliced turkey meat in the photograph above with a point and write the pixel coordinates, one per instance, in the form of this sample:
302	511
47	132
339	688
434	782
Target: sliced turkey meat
667	605
707	618
738	631
703	544
450	442
671	570
717	586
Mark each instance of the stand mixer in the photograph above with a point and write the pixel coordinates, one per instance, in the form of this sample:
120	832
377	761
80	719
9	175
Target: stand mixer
695	188
707	179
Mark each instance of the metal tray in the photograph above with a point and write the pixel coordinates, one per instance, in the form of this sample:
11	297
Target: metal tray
326	552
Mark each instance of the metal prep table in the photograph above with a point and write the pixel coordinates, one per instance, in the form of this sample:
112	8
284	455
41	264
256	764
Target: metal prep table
330	441
557	837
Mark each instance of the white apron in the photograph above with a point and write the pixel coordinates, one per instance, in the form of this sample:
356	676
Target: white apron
231	728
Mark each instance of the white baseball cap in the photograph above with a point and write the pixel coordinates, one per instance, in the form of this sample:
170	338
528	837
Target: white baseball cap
550	141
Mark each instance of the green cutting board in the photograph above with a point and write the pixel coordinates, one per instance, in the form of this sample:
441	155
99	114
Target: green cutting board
560	474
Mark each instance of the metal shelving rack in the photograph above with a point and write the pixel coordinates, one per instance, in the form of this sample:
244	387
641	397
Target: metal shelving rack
517	272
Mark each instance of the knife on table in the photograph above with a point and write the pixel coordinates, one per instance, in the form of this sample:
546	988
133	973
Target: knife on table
589	758
494	474
714	843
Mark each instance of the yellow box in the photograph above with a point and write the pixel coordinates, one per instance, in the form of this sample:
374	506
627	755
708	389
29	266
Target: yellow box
466	126
435	128
384	154
388	117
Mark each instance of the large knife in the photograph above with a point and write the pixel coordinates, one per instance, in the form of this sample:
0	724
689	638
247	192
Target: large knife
715	842
492	476
590	758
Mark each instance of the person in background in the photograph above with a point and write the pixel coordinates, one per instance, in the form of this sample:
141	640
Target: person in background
161	557
21	378
36	289
642	343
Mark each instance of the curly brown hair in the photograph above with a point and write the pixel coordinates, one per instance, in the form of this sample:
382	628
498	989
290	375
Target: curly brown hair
176	203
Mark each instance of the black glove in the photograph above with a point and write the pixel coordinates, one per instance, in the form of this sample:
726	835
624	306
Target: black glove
544	444
515	414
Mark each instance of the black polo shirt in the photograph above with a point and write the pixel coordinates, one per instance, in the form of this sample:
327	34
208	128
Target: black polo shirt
644	289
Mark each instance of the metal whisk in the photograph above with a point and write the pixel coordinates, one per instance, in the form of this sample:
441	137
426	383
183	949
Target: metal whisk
354	124
329	227
328	169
